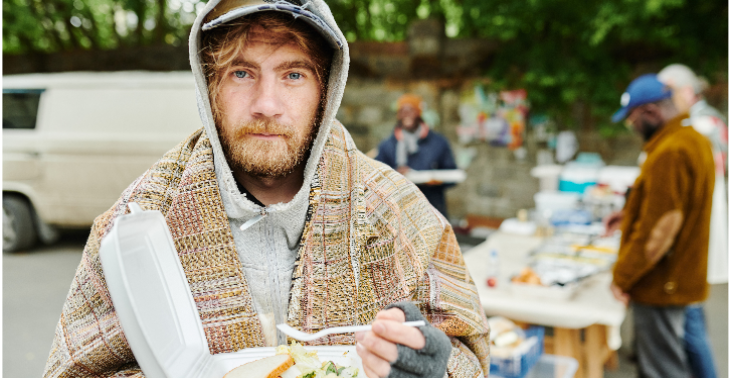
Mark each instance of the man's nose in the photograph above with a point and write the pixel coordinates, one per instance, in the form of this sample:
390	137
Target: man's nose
267	101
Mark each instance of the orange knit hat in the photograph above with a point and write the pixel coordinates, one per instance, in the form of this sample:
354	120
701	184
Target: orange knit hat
412	100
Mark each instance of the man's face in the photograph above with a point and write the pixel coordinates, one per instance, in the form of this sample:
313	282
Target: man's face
684	98
407	115
645	120
268	99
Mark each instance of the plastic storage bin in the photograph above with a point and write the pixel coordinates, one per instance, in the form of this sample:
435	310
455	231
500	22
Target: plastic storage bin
518	366
577	180
555	201
578	176
549	366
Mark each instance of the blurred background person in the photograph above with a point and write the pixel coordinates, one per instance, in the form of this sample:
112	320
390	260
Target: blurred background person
413	145
662	261
687	91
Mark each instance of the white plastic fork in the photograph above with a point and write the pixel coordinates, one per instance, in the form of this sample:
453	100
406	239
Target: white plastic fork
303	336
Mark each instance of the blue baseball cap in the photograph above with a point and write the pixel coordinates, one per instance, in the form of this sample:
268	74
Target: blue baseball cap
645	89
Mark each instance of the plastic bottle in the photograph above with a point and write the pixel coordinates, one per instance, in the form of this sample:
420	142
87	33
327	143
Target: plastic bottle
492	268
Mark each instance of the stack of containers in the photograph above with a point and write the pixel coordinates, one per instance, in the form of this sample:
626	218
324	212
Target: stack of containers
519	365
582	173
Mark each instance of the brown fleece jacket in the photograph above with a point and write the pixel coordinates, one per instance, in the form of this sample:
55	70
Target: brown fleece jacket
663	256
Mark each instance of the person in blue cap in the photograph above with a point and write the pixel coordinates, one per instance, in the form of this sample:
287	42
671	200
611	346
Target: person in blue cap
662	262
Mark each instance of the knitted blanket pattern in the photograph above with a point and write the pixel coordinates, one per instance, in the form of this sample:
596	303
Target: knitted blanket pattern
370	239
373	239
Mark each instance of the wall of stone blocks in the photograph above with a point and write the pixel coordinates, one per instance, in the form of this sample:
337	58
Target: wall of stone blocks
498	183
437	69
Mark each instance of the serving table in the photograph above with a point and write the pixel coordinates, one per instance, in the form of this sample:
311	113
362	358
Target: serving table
586	327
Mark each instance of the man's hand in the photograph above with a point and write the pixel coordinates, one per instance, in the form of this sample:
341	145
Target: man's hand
377	347
612	222
619	294
403	169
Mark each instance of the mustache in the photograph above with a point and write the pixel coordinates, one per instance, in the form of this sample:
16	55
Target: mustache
263	126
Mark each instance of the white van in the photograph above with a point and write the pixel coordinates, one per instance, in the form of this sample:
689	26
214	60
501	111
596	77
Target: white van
72	142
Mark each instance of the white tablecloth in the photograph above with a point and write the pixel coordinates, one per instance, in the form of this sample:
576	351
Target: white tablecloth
592	304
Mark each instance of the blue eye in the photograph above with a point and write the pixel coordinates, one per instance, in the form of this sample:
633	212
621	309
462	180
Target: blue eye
240	74
295	76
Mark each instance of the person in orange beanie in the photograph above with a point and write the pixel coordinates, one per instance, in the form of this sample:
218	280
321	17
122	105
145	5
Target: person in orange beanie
413	145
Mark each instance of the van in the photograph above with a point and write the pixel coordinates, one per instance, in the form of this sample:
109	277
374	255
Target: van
72	142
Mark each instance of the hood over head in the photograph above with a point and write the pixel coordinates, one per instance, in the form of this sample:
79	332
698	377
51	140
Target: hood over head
315	13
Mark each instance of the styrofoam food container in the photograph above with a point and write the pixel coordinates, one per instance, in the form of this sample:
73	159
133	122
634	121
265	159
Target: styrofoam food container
548	175
619	178
156	309
551	200
516	227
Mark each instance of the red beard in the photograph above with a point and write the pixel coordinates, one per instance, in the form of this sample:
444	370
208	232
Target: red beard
259	157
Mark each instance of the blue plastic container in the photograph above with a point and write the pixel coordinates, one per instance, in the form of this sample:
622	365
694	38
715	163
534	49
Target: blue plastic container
575	187
519	366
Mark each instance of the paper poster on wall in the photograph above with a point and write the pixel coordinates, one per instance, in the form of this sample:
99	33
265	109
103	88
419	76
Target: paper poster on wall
495	118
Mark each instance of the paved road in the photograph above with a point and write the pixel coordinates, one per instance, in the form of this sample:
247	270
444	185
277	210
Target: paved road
35	285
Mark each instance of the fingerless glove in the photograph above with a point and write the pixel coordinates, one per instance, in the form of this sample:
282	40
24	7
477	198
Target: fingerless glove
428	362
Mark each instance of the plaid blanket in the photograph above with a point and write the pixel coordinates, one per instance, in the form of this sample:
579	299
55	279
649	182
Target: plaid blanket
370	239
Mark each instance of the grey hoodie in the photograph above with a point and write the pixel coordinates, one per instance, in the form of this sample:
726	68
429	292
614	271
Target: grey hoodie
268	248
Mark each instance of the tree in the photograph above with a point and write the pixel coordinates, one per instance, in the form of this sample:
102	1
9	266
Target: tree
568	54
42	26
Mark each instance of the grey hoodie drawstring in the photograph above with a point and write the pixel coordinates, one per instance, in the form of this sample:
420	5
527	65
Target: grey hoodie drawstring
254	220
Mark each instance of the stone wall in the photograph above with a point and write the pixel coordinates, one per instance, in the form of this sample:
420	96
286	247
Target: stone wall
498	183
438	69
428	64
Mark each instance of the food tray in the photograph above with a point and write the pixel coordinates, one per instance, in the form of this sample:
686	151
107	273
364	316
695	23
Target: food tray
156	310
449	176
556	292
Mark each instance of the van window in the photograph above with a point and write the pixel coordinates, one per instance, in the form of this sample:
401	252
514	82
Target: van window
20	108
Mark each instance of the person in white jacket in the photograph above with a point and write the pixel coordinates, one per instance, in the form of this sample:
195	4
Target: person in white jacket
687	91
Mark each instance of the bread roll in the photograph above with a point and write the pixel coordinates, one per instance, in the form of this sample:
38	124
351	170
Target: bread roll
269	367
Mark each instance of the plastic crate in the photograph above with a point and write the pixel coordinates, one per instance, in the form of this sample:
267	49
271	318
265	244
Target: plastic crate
549	366
518	366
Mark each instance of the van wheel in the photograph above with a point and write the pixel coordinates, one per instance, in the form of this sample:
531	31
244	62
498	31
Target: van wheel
18	229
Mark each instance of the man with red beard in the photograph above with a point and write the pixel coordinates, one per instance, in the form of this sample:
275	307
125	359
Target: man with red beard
278	218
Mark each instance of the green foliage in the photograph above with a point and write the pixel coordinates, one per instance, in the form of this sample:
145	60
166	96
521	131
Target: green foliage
568	54
31	26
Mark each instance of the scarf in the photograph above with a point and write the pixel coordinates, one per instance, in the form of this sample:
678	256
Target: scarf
407	143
